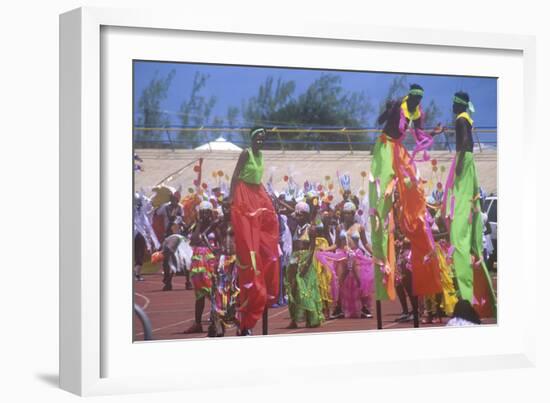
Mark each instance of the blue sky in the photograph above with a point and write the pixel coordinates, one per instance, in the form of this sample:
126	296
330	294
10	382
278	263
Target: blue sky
233	84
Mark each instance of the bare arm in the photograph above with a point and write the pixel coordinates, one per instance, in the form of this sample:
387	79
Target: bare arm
238	168
363	235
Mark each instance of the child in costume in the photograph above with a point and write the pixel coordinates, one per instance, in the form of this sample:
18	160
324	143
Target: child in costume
352	266
302	287
203	266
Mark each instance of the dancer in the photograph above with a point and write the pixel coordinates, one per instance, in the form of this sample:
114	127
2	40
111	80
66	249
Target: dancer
144	235
463	214
394	168
203	240
302	287
224	292
256	235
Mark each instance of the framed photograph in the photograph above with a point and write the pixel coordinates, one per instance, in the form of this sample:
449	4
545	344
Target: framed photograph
314	188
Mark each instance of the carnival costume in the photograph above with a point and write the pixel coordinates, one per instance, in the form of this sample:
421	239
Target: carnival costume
256	239
393	168
462	208
302	287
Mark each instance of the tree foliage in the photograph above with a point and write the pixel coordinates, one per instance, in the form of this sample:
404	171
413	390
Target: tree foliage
196	109
324	103
150	114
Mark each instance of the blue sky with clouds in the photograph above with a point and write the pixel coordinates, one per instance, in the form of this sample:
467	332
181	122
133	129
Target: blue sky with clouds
233	84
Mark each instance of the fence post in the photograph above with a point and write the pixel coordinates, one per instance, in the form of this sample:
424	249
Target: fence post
349	140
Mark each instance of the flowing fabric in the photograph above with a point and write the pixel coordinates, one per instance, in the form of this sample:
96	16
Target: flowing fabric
449	293
380	202
426	278
203	265
304	299
353	289
324	274
463	211
257	248
225	291
392	166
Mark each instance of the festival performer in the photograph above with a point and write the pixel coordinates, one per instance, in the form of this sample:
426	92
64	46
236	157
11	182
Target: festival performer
225	290
167	213
144	235
325	276
352	267
302	287
463	214
176	254
256	235
204	240
394	168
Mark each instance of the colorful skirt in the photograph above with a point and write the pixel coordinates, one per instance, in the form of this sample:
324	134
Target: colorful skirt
257	248
462	210
354	287
225	291
203	266
325	274
394	169
304	299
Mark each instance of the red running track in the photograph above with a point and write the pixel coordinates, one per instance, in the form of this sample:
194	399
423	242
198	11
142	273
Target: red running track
172	312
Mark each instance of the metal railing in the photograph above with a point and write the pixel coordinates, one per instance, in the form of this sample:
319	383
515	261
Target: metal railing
321	138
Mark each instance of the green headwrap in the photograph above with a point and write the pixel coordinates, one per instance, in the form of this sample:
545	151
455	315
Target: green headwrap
458	100
416	91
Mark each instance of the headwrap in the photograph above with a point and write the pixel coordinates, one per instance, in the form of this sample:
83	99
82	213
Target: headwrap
349	207
257	131
416	91
301	207
461	101
205	205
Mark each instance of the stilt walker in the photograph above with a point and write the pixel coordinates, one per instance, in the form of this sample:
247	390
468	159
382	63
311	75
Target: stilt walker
256	230
394	169
462	207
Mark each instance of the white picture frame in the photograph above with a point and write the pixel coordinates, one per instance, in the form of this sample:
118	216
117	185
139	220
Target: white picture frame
84	198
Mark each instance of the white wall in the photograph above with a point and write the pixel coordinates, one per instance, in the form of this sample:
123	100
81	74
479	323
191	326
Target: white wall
29	172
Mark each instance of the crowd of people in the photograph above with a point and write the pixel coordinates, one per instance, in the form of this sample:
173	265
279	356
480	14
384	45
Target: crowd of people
325	251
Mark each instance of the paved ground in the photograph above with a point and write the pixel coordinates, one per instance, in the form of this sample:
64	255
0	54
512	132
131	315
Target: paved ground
171	312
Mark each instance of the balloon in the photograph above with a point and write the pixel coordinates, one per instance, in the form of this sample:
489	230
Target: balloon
191	190
197	168
204	186
220	173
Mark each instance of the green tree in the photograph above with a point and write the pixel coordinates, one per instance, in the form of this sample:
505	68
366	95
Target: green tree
272	96
231	117
196	109
150	114
324	103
